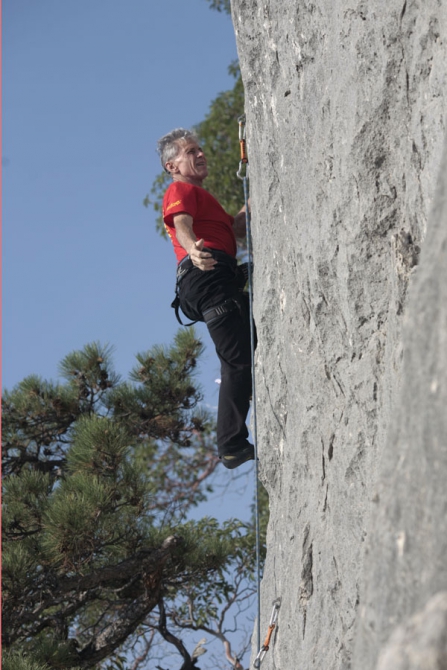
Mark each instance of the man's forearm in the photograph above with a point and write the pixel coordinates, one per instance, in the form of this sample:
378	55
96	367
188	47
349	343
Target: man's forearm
185	233
239	225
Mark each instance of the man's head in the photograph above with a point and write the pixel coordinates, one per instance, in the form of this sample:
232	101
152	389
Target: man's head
182	157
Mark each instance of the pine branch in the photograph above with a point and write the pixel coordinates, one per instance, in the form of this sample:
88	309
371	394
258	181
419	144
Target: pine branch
119	574
218	632
188	662
69	594
116	633
142	657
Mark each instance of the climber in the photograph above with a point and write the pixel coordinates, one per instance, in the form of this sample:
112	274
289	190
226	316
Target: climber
210	284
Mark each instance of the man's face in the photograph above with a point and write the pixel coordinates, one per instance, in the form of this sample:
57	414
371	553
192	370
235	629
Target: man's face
189	164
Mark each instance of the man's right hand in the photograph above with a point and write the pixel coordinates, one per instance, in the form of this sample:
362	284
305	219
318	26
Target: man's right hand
201	259
194	247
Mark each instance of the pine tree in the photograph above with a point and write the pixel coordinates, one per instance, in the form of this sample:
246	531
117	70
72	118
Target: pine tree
99	475
221	5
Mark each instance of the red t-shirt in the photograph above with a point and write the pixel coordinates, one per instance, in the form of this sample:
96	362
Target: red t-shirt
210	221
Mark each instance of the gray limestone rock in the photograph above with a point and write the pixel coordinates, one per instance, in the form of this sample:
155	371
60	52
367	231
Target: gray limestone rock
421	643
345	104
406	558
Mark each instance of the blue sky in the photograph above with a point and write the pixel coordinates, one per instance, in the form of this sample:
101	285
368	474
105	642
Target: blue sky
88	87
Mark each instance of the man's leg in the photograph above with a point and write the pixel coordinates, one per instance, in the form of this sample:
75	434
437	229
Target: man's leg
231	337
200	291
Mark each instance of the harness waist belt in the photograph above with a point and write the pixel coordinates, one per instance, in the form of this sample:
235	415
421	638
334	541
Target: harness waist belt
221	257
213	313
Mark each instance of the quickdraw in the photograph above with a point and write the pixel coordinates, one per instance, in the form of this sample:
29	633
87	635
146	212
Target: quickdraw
243	147
272	625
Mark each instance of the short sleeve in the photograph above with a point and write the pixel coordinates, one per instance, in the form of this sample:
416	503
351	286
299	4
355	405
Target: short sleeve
180	198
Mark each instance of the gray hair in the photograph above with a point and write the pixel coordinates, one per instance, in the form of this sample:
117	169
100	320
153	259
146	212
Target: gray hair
168	145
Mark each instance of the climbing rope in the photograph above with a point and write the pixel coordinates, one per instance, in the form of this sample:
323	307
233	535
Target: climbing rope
272	625
243	174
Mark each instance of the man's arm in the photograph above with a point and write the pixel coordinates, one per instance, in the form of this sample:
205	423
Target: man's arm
239	225
188	240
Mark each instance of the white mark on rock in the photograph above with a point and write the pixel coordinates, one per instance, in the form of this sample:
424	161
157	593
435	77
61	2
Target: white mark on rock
281	446
434	386
400	542
282	300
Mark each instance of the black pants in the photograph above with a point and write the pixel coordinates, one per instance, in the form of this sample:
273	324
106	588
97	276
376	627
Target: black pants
199	291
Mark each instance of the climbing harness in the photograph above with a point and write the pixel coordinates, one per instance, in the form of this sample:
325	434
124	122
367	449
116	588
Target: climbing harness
243	175
214	313
229	305
272	625
183	268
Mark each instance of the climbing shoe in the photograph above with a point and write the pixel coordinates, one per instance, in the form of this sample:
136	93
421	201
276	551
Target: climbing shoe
237	458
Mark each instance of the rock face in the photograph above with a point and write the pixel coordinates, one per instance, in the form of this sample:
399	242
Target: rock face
422	643
406	558
346	104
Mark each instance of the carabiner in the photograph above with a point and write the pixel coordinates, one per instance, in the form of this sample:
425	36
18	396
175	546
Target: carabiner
243	147
241	121
272	625
240	173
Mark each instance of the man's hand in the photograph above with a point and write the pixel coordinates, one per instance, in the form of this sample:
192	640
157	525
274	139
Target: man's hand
185	235
201	259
